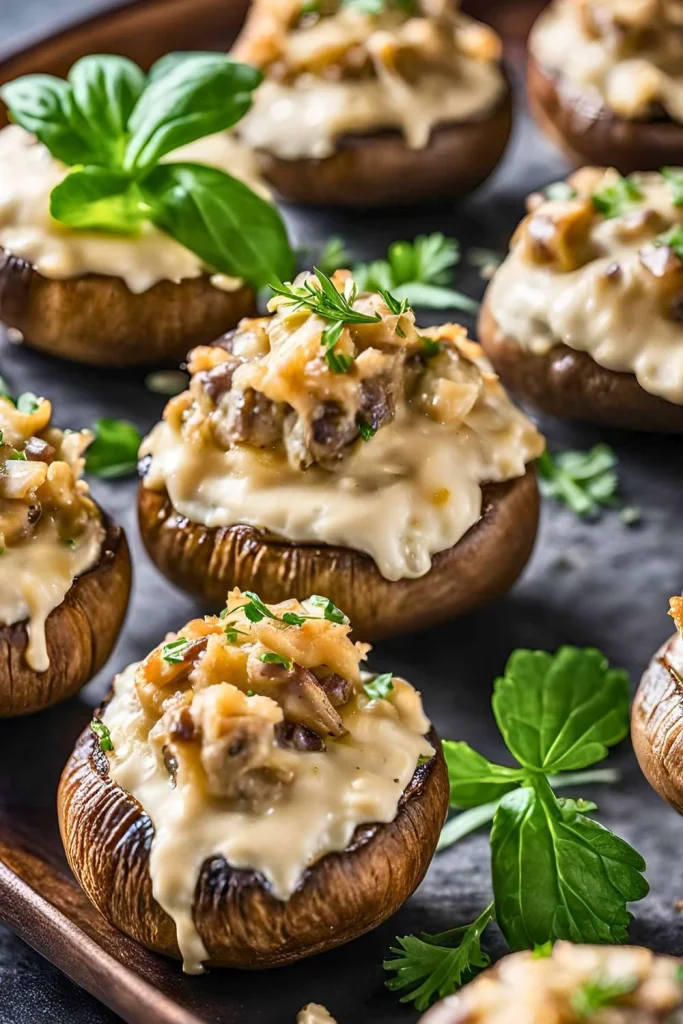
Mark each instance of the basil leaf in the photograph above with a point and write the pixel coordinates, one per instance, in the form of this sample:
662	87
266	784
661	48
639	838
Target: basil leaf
473	779
558	874
105	90
98	198
203	94
561	712
44	105
220	219
114	452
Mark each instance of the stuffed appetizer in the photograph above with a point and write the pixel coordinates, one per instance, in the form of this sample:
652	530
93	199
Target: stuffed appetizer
366	107
64	567
606	79
131	226
600	984
248	796
334	447
583	319
657	717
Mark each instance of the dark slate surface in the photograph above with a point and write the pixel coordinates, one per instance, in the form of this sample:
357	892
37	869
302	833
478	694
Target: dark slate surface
588	583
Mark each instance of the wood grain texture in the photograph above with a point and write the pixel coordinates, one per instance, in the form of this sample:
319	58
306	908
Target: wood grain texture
482	566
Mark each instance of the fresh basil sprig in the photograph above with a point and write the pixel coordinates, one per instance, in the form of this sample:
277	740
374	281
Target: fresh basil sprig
112	124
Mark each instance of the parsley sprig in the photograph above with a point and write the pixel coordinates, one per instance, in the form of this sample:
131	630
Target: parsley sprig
114	451
556	873
617	199
103	735
256	610
584	481
601	992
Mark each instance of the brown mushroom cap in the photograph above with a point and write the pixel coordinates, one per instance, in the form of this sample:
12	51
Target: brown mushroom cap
481	567
605	139
96	319
381	170
80	633
571	385
108	837
657	727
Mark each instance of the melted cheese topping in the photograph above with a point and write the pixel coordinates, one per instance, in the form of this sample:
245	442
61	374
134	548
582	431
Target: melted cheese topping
419	72
410	491
625	54
357	778
620	301
28	173
314	1013
539	990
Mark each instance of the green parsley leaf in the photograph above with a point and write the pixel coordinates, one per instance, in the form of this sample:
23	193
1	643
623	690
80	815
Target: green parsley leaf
431	347
366	431
616	200
584	481
17	456
293	619
332	613
175	650
674	175
114	452
558	874
473	779
559	190
256	610
600	992
28	403
560	712
271	658
103	735
431	967
673	238
231	632
380	687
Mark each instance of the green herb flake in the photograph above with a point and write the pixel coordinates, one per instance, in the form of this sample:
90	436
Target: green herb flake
255	610
114	451
584	481
673	238
674	176
17	456
380	687
174	651
601	992
231	632
331	612
294	619
271	658
431	347
103	735
366	431
559	190
28	403
616	200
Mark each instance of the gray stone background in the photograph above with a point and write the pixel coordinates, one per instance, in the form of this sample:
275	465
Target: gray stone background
588	583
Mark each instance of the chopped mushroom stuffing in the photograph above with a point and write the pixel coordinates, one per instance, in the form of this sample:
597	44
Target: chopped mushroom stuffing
625	53
599	984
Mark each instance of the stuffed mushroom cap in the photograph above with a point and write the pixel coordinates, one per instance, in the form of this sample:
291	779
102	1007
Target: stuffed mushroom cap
584	317
606	78
351	463
371	108
599	984
64	567
256	798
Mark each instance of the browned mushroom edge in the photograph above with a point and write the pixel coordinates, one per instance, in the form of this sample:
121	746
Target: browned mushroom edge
571	385
606	139
97	320
481	567
107	837
657	727
80	633
379	169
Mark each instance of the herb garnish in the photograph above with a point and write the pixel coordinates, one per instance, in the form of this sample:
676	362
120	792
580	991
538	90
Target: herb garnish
584	481
103	735
114	452
594	995
366	431
674	176
380	687
673	238
614	200
559	190
255	611
271	658
112	125
557	874
231	632
330	610
175	650
28	403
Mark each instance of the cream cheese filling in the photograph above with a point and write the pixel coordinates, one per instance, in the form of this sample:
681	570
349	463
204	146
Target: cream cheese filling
628	85
412	491
28	173
306	119
358	780
35	577
613	317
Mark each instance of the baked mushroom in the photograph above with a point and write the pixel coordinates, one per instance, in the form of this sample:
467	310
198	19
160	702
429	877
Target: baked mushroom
131	228
332	447
656	718
605	984
584	318
605	79
64	566
403	103
252	798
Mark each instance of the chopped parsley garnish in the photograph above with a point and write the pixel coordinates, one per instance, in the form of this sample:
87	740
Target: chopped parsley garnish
674	176
103	735
271	658
330	610
366	431
17	456
380	687
673	238
114	452
28	403
175	650
559	190
255	611
432	347
614	200
231	632
584	481
600	992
